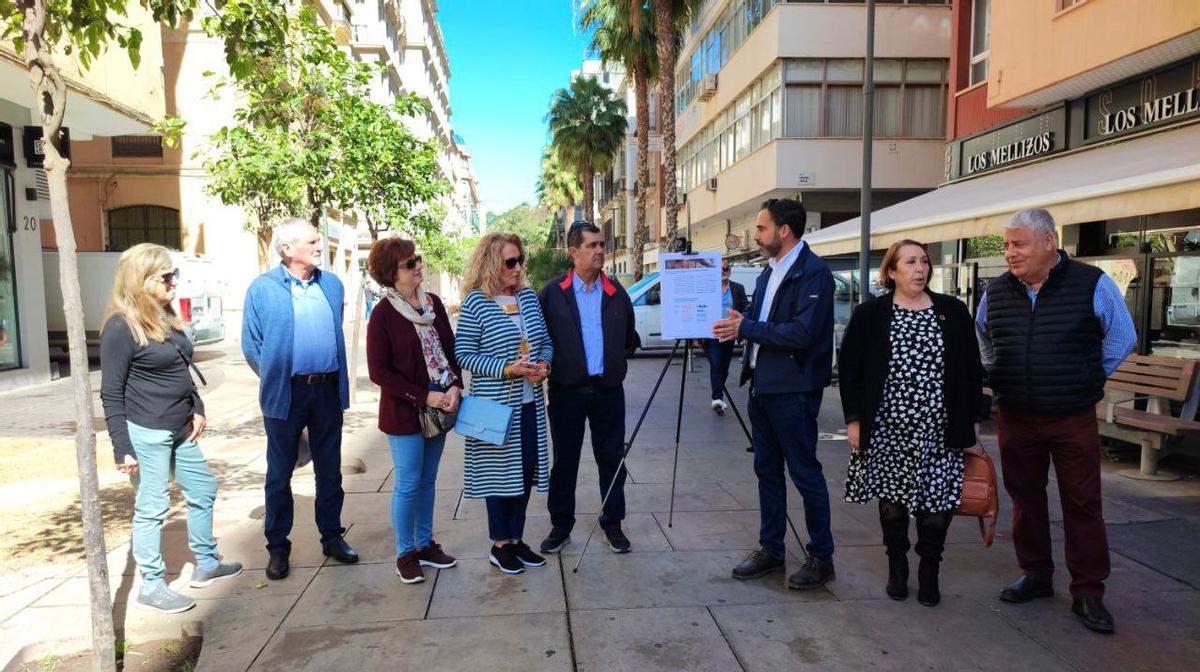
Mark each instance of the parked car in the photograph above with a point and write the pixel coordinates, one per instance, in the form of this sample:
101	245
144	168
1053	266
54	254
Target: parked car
197	297
646	297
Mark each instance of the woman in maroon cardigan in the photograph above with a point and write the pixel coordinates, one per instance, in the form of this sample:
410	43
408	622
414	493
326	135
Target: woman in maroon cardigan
410	356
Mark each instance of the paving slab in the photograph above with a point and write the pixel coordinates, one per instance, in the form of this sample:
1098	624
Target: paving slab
649	640
1154	631
361	594
516	643
1171	547
475	588
679	579
879	635
237	628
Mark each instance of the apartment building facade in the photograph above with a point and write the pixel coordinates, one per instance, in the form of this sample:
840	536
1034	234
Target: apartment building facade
130	189
1090	109
769	104
111	98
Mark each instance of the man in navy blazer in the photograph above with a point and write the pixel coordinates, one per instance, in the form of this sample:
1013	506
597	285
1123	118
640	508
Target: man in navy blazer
788	363
590	320
292	338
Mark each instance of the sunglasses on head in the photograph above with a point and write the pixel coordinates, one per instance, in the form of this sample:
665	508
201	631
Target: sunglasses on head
512	262
170	277
412	263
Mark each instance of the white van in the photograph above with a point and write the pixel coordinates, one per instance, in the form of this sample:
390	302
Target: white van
197	297
646	297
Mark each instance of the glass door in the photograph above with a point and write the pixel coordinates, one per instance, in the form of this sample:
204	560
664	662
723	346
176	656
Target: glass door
10	353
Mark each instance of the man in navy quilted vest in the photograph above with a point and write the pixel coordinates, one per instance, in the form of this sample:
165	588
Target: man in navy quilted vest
1052	330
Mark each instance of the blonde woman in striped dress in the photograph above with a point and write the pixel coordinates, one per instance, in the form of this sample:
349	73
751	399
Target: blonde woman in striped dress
502	340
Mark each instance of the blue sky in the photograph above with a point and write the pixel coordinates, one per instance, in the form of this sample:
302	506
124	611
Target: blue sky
507	57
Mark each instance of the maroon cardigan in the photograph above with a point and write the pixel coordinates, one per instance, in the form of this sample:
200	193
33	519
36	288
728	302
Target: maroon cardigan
397	365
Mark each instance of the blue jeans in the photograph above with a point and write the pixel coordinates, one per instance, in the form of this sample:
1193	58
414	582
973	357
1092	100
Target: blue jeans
319	409
719	356
785	432
157	452
416	461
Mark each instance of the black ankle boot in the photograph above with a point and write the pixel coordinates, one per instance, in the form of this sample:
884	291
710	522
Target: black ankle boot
897	585
927	583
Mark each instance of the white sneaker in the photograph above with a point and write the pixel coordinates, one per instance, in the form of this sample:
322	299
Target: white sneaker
719	406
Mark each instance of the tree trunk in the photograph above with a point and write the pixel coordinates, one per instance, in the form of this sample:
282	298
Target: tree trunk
50	92
263	236
664	25
588	176
642	95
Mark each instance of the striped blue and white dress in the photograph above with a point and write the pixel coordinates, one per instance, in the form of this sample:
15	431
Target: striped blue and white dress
488	340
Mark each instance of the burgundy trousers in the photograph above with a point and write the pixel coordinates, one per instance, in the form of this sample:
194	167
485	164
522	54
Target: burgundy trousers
1028	444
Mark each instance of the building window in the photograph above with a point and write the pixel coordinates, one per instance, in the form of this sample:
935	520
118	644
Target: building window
137	146
1066	4
813	98
981	28
143	224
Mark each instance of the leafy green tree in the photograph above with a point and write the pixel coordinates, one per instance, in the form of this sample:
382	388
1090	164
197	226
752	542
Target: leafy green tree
623	33
587	126
43	32
532	224
309	137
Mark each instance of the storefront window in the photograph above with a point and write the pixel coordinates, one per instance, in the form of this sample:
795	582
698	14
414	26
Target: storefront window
1174	320
10	356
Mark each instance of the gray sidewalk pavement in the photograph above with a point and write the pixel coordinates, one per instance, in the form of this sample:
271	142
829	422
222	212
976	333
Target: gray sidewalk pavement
669	605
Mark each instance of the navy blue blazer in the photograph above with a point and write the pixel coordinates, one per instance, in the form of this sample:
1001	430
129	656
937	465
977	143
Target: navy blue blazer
795	352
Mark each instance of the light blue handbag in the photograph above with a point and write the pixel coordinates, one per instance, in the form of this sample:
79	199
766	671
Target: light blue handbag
483	419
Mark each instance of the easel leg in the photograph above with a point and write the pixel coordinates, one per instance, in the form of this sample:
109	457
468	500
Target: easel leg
687	353
628	446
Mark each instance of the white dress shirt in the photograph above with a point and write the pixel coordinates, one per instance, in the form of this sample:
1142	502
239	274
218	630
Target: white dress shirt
779	270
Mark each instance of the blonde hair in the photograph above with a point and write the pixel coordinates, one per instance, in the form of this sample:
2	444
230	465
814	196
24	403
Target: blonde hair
483	270
131	300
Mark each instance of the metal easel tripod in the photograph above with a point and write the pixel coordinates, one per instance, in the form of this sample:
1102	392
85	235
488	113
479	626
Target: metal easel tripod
687	352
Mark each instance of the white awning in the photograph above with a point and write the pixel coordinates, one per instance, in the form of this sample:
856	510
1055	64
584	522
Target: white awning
1139	176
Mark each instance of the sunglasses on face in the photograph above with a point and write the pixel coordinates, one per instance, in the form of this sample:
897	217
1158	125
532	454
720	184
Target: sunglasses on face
412	263
512	262
170	277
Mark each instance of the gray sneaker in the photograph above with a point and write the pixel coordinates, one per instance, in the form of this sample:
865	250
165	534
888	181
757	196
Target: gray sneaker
162	599
225	570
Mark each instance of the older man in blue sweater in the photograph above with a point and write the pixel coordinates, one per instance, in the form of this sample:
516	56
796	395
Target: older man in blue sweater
292	338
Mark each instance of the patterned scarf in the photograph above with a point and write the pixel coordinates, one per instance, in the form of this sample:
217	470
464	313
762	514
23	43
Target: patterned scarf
431	345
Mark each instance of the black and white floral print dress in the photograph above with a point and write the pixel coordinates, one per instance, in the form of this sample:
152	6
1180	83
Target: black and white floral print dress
907	461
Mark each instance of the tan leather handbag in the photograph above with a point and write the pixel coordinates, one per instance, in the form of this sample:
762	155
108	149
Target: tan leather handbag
980	497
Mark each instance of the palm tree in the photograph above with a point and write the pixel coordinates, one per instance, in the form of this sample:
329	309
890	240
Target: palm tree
623	33
671	17
558	187
587	126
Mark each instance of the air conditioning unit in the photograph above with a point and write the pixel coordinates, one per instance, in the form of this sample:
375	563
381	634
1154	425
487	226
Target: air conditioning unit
712	184
708	87
681	197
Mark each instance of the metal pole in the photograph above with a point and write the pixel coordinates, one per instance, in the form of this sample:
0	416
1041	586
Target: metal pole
864	250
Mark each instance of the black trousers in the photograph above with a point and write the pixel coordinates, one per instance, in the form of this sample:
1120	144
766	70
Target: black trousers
603	409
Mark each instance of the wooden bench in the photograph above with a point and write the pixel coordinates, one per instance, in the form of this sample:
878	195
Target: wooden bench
1158	381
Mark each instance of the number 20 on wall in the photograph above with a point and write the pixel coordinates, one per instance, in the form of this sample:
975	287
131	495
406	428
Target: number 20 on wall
29	223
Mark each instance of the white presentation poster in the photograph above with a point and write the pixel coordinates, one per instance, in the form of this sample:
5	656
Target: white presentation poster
691	294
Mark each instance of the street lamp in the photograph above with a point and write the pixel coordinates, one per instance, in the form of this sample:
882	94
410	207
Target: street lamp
864	248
